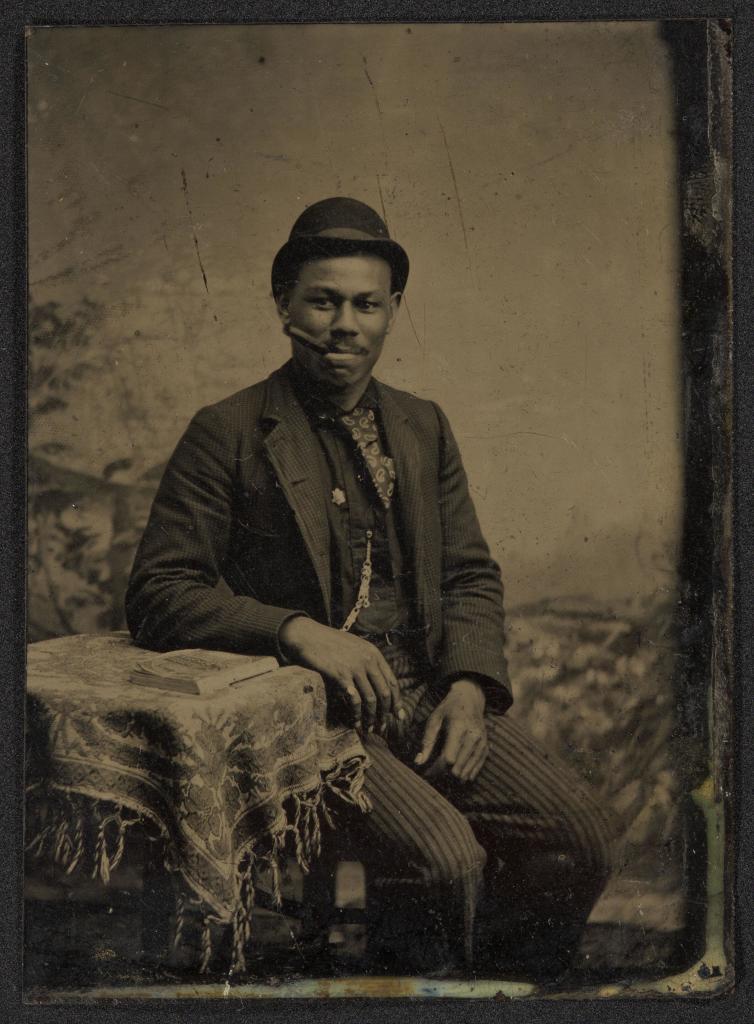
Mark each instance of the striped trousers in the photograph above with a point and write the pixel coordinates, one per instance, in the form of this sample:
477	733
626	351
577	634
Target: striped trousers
501	870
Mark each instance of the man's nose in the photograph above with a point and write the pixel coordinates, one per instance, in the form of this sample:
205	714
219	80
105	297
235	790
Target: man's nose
345	319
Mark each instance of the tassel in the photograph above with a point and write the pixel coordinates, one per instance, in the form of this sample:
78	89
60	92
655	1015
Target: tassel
364	803
310	827
121	841
304	830
242	916
180	920
37	844
275	876
63	844
324	811
101	859
296	828
316	829
238	963
78	843
349	784
206	943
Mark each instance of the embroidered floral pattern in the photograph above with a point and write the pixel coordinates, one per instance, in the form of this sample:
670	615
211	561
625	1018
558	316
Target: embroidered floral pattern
225	780
362	427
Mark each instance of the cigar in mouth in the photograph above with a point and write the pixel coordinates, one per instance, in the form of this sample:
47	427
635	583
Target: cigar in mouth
307	340
320	347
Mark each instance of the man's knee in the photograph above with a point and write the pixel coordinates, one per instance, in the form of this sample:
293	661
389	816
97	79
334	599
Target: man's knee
596	853
585	856
572	863
450	851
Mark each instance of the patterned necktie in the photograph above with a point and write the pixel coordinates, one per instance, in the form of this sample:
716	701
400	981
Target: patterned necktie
361	425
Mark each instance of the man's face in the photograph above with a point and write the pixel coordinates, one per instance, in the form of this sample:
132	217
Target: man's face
344	306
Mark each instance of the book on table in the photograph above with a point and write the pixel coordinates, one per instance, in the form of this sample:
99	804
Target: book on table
200	671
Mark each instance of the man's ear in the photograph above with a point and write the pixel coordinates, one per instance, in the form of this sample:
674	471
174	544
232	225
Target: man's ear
282	303
395	302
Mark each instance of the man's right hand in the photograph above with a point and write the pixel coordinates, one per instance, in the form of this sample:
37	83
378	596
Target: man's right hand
354	666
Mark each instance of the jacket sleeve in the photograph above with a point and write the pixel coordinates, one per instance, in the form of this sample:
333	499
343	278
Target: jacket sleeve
471	588
176	596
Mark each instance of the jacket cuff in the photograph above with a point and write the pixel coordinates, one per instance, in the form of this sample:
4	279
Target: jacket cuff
497	697
290	615
249	625
489	667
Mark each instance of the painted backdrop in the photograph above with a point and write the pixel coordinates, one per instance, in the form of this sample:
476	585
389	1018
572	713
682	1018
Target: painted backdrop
530	172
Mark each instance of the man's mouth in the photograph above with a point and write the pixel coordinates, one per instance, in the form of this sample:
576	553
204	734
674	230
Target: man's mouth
322	347
345	352
339	359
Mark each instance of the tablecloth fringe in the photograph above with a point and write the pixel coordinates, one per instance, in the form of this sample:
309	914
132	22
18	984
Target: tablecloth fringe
79	830
79	822
307	813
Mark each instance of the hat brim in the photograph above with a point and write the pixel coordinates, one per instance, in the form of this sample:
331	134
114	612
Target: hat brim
297	251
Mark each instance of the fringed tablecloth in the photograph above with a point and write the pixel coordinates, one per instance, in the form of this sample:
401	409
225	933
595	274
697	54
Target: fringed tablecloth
227	780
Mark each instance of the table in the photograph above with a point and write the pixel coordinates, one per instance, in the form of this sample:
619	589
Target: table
229	781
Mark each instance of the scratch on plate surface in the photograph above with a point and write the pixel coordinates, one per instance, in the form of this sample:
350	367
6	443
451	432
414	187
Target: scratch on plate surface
137	99
457	194
193	229
405	300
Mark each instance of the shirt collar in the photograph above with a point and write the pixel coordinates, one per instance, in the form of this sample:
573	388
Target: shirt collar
317	404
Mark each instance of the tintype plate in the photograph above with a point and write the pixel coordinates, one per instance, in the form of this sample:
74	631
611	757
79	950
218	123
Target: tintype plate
563	191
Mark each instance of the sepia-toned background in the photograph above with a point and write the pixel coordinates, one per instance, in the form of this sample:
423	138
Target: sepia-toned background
530	172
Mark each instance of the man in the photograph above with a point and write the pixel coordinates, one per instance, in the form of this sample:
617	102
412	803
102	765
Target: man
326	517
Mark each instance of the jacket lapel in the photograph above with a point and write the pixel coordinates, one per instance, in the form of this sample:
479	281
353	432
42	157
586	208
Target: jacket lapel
404	449
293	453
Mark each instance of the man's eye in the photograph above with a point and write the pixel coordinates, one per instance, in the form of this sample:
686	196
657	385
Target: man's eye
369	304
321	302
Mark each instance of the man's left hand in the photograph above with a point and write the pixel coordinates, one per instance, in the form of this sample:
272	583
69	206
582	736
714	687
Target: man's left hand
459	720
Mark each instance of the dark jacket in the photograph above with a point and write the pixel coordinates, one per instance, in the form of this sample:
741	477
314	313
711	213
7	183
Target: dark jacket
238	534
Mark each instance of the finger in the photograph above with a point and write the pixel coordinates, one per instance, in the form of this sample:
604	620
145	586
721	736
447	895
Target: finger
475	761
431	732
368	699
381	688
353	698
393	685
467	750
478	761
456	732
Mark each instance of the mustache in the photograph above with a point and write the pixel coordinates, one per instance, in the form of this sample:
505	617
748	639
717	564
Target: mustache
322	345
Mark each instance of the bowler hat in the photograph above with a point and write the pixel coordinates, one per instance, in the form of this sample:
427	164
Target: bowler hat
337	227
